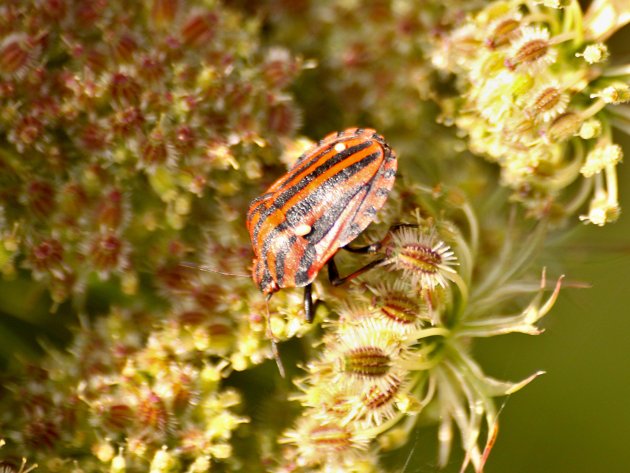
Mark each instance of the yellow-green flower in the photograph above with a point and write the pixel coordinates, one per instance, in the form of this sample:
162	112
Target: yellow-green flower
533	78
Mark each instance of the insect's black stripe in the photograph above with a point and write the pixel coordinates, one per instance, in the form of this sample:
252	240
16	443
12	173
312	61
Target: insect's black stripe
294	214
354	229
307	203
311	200
264	275
281	257
290	192
318	171
256	206
302	163
301	276
324	224
304	206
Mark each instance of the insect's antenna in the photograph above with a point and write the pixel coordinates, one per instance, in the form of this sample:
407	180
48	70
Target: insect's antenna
208	269
274	340
411	452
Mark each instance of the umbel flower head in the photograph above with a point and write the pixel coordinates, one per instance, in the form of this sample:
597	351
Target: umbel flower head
534	80
116	119
405	345
425	259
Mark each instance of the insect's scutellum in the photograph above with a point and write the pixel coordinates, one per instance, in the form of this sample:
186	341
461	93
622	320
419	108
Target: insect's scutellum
321	204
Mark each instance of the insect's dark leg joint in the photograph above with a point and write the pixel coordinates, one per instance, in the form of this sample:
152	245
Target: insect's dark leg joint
373	248
336	280
333	273
403	225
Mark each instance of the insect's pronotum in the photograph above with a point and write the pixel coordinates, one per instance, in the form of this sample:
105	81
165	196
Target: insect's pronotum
321	204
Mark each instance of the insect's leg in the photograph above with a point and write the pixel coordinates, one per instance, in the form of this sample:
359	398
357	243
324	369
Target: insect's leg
336	280
274	340
374	247
309	307
401	225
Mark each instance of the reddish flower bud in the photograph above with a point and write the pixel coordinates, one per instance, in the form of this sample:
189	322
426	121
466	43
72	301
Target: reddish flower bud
331	438
207	295
366	362
192	317
97	60
118	417
17	55
151	70
26	131
155	149
41	198
41	434
90	11
152	413
93	137
127	121
54	9
183	393
125	47
110	211
163	12
46	255
199	29
106	251
185	138
399	308
375	398
175	277
124	89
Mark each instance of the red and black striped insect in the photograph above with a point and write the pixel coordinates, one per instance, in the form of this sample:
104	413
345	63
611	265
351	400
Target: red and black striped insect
321	204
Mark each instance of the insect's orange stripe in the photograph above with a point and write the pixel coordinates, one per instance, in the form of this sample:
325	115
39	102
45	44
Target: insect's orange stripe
281	193
316	183
337	192
291	264
277	217
270	262
296	176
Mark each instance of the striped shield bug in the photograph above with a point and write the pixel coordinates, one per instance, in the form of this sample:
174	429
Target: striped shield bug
329	196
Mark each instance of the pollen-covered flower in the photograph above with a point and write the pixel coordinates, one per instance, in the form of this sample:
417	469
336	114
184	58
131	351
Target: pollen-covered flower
425	259
547	102
601	157
531	50
530	93
400	306
326	443
369	353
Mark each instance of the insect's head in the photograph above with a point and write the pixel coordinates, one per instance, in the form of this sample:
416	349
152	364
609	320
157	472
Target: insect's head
263	278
